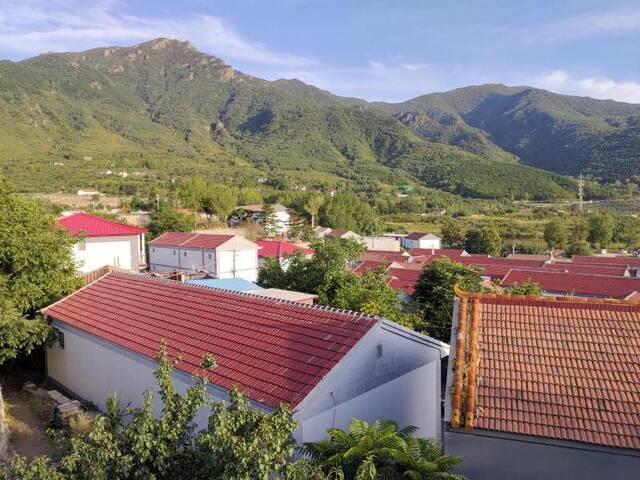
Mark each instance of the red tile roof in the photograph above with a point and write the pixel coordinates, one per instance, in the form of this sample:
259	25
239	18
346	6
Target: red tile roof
380	255
91	226
576	283
630	261
369	265
279	248
190	240
404	279
274	351
590	269
508	262
567	370
440	252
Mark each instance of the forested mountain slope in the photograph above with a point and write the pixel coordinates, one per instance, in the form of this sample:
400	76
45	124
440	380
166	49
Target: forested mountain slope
162	109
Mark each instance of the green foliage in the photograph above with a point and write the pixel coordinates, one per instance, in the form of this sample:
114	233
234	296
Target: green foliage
484	240
601	227
219	201
168	220
36	268
525	288
172	112
381	450
239	442
627	232
434	294
350	213
555	234
312	206
578	244
453	233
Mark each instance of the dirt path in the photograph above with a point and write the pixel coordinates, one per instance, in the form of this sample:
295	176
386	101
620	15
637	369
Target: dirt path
28	436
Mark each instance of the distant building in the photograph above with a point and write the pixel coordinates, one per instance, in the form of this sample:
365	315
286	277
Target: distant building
222	256
282	217
343	234
543	388
381	243
87	193
321	232
104	242
328	365
421	240
278	249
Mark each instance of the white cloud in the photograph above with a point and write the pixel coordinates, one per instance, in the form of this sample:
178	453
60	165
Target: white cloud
611	22
32	27
602	88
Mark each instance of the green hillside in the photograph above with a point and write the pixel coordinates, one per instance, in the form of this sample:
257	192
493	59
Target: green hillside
161	109
560	133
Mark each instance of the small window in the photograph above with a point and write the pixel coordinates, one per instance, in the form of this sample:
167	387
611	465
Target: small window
174	253
209	256
153	250
185	254
60	336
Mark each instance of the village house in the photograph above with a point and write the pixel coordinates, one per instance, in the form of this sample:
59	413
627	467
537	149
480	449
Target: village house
281	220
343	234
544	388
576	284
381	243
328	365
221	256
280	250
103	242
321	232
421	240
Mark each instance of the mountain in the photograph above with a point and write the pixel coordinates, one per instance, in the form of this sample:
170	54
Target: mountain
162	109
560	133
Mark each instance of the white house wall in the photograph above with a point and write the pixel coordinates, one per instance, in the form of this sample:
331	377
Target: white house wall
93	369
407	400
95	252
386	353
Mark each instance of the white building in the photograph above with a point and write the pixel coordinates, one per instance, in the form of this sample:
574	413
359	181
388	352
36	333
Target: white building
222	256
105	242
421	240
282	218
387	244
327	365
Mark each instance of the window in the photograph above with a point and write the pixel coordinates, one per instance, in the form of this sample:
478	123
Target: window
60	336
82	245
153	250
174	253
185	254
209	256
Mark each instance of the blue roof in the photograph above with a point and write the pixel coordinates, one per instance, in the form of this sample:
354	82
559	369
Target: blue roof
234	284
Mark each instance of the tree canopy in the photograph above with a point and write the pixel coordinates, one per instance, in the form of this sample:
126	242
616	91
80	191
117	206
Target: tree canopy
36	268
434	294
484	240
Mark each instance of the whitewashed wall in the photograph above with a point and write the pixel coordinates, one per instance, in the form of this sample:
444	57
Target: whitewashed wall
238	264
425	243
96	252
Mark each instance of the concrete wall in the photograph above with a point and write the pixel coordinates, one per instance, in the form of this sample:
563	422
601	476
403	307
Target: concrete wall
93	369
424	243
492	458
386	353
95	252
381	243
238	264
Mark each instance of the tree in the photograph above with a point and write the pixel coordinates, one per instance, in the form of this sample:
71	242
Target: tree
36	268
380	450
577	243
349	212
269	219
600	230
312	207
434	293
220	201
168	220
525	288
484	240
192	192
555	234
239	442
453	233
627	232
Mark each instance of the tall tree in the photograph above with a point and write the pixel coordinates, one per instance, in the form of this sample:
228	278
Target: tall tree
220	201
484	240
312	207
434	293
627	232
555	234
453	233
36	268
168	220
577	242
601	227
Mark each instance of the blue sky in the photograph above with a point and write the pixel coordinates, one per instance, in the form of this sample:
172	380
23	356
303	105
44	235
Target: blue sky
379	50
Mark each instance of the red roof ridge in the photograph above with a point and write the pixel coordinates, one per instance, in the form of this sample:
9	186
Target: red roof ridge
133	229
551	298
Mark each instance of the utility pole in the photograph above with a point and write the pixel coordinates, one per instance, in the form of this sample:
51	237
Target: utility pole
580	192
